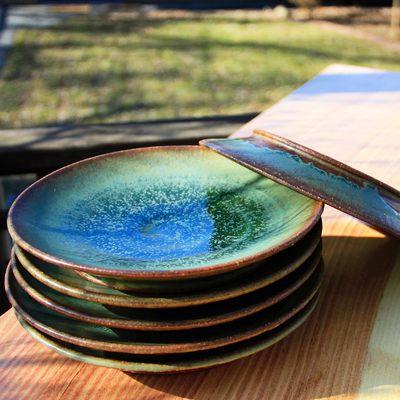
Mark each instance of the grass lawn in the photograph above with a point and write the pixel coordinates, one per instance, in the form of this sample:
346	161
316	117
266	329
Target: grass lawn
101	70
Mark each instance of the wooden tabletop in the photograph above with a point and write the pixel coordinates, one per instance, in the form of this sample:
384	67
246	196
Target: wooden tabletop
350	347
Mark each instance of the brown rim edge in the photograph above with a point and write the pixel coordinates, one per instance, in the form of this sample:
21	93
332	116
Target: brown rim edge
164	348
311	255
159	369
145	326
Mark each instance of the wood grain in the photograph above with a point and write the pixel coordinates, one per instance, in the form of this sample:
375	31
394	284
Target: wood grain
349	349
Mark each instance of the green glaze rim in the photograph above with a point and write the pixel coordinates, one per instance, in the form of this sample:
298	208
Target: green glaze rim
310	255
246	348
162	325
264	325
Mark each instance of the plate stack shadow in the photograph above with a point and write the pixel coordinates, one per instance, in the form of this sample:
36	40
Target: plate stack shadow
162	260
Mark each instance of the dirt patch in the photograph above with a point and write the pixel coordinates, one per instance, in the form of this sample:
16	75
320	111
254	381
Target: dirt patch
369	23
365	23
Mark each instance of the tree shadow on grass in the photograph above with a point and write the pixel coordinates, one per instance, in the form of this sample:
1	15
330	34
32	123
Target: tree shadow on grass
120	90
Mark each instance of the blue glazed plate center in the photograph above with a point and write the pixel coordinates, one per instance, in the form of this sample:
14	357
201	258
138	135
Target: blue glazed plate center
164	222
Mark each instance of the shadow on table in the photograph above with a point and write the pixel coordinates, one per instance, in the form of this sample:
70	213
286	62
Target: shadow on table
326	356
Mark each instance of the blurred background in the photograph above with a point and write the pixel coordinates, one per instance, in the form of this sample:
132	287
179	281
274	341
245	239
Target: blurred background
78	80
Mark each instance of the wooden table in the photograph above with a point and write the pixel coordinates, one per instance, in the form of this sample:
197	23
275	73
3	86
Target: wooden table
350	347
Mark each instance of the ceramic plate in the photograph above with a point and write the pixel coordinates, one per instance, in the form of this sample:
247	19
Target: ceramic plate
176	362
140	342
317	176
69	283
175	319
162	212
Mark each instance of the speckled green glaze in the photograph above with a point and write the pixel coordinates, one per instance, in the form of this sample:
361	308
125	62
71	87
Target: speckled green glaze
317	176
138	342
175	362
158	212
154	320
68	282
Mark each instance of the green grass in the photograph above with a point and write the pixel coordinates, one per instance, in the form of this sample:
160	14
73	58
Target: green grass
97	70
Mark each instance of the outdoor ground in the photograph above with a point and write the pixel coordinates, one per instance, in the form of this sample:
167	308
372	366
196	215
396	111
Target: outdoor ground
138	67
364	22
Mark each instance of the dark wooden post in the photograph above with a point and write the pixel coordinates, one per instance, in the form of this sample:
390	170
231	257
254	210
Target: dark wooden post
3	17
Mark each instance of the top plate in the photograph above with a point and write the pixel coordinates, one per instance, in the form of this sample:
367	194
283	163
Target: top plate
316	176
161	212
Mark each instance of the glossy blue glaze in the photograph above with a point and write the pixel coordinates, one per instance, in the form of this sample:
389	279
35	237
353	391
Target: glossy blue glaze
158	210
324	179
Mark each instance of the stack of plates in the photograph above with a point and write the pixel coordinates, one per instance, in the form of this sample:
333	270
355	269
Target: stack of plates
162	259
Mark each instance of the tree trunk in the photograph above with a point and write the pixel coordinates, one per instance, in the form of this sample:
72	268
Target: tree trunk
395	20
